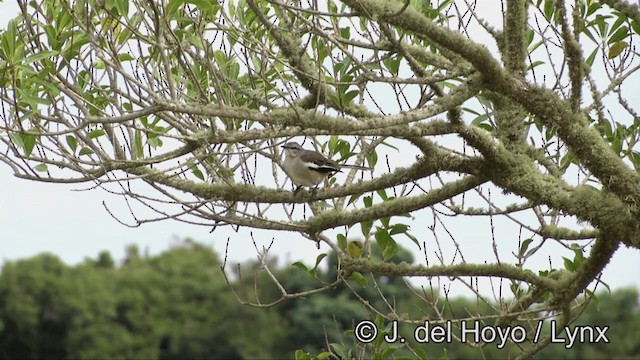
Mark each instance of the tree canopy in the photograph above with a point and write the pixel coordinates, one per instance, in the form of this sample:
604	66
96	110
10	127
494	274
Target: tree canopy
519	115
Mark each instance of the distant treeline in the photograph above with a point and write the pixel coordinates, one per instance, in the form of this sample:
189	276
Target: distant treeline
177	305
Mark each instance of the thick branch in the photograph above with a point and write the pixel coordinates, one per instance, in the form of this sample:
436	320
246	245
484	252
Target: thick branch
247	193
493	270
397	206
599	257
515	39
630	10
411	20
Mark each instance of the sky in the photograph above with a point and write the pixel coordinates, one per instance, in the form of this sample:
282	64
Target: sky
71	222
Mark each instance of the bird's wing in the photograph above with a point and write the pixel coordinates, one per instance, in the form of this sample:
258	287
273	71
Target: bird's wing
317	162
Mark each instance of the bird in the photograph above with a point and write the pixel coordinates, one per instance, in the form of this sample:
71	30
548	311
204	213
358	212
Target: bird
309	168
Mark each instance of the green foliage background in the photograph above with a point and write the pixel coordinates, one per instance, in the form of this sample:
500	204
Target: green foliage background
178	305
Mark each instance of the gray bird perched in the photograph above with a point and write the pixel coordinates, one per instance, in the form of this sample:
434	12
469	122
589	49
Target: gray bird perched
309	168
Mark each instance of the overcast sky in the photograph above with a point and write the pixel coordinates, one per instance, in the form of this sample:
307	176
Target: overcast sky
37	217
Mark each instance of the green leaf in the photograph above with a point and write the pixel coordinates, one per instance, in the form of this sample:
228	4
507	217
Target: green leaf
524	247
30	97
345	32
342	242
579	258
172	6
548	9
350	95
72	142
300	265
340	351
52	36
365	227
383	194
368	201
398	229
85	151
602	24
96	133
359	278
220	58
535	64
386	243
594	299
353	198
413	238
604	284
569	265
29	143
9	39
41	167
50	87
331	6
372	159
390	251
592	57
355	249
202	4
333	142
635	26
379	321
302	355
478	120
617	23
197	173
99	64
155	142
123	7
593	7
72	50
17	139
41	55
25	141
392	64
138	150
323	355
619	35
125	57
318	260
543	273
343	148
616	49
